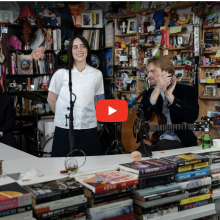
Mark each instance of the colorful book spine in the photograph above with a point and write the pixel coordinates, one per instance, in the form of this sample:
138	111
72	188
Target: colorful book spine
195	199
195	204
157	196
116	185
110	202
193	174
23	215
108	207
216	176
192	167
196	183
15	202
128	216
111	213
50	64
214	171
12	65
192	179
16	210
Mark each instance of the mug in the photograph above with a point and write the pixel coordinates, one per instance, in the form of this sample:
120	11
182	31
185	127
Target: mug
216	142
118	52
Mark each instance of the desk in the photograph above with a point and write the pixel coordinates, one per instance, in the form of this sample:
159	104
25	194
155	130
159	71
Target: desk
51	167
8	153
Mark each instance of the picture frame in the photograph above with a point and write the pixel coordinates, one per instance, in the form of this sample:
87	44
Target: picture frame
97	18
86	19
6	16
132	25
179	73
212	89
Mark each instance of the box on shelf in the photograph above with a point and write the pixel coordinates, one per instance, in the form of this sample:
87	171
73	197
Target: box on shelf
210	80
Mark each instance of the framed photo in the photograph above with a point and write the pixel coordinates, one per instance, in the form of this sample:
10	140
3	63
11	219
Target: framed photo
86	19
179	73
132	25
211	89
6	16
97	18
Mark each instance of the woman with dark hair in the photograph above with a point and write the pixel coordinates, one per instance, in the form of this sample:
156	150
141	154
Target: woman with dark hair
87	83
7	119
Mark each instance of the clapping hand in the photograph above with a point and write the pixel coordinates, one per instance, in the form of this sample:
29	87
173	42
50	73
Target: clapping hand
169	91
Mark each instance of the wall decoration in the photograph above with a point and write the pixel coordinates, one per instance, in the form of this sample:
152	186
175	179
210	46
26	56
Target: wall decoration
86	20
6	16
132	25
98	18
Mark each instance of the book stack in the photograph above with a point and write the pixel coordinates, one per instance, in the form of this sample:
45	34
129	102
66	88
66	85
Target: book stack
193	175
15	202
58	199
109	195
95	38
157	193
214	163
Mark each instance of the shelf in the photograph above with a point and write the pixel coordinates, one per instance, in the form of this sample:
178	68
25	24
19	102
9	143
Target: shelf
126	67
106	78
215	126
179	48
209	66
124	91
212	98
126	35
210	83
181	66
147	34
210	52
27	75
108	47
211	26
29	51
148	45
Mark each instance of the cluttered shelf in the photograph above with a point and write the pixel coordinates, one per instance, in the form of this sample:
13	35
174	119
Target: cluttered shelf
211	26
27	75
209	66
210	52
126	35
123	91
214	98
179	48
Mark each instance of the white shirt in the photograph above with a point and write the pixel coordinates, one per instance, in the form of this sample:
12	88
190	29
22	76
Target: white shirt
85	85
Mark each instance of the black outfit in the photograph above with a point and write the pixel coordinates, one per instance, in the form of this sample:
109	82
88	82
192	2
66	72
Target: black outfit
184	108
7	120
86	140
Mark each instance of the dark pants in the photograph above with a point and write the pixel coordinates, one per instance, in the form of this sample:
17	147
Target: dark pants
86	140
9	139
166	145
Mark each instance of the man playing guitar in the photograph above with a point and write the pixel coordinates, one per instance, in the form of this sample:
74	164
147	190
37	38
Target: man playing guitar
177	102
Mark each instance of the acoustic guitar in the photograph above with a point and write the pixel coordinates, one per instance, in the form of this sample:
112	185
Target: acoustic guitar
155	127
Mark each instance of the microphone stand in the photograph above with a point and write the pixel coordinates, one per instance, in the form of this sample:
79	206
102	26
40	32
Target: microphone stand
70	117
143	128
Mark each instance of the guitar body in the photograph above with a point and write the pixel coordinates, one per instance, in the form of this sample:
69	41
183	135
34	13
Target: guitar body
127	137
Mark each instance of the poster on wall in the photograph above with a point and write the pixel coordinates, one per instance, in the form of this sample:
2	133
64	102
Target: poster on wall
6	16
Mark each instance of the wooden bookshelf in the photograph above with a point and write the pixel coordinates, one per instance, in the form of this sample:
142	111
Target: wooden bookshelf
209	66
126	35
213	98
179	48
210	52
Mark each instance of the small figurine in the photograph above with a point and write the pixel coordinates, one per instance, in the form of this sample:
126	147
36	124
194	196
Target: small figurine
136	156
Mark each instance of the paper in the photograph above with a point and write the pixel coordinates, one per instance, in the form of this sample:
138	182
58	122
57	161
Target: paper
165	52
189	28
217	54
175	29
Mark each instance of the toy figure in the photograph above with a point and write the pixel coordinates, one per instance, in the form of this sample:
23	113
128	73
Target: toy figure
183	19
179	60
173	18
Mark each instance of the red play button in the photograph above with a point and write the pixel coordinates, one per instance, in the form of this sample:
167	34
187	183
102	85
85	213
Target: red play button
110	110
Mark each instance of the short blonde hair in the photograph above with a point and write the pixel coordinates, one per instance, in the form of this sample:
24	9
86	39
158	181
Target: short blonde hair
162	62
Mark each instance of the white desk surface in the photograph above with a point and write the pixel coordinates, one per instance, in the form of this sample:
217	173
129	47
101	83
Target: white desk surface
51	168
9	153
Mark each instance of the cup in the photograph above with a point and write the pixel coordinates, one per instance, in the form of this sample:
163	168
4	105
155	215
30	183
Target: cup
118	52
216	142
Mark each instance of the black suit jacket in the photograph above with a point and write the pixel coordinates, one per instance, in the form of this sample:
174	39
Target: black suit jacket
184	108
7	113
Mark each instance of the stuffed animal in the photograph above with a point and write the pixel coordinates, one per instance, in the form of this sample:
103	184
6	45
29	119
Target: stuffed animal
173	18
183	19
201	9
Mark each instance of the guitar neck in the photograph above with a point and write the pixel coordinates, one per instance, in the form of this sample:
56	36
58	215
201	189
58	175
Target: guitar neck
172	127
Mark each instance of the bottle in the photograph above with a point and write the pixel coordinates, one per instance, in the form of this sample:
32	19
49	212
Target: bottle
206	140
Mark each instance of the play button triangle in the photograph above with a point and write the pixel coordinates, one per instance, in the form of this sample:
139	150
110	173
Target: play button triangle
111	110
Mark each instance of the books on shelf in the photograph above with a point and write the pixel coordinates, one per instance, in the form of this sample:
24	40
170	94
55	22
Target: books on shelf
186	159
99	182
55	190
148	166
